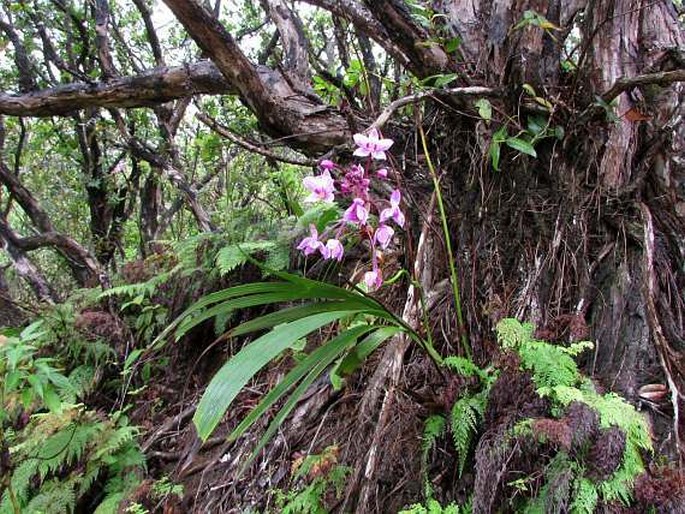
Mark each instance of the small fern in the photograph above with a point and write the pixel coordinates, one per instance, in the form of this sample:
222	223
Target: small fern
549	365
324	475
585	498
432	507
466	417
58	459
556	376
463	366
233	256
433	428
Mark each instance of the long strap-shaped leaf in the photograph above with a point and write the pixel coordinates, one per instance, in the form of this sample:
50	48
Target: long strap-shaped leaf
232	377
247	301
306	288
325	355
327	290
220	296
363	349
300	311
337	344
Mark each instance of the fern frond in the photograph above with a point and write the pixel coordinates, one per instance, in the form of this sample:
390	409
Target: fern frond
511	333
55	497
21	482
433	428
64	448
467	414
585	497
462	366
233	256
115	440
82	380
549	364
110	505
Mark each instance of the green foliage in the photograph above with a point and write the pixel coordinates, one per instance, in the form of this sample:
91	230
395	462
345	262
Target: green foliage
231	257
29	380
433	428
585	496
465	419
322	476
326	304
65	448
556	376
433	507
159	491
58	457
550	365
534	19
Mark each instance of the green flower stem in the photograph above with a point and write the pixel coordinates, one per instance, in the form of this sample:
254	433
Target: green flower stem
454	278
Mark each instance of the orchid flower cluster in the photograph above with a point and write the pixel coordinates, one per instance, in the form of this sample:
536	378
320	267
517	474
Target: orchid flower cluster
355	183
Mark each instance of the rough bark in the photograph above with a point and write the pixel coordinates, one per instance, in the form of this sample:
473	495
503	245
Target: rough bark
83	265
295	45
23	265
282	111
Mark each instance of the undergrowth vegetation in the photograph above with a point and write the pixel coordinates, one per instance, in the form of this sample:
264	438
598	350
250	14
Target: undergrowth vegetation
588	448
58	454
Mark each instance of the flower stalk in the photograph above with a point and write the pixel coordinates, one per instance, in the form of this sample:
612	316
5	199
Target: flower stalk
454	277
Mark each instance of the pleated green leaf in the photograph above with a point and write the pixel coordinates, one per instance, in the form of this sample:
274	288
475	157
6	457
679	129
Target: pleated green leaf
320	360
336	345
238	371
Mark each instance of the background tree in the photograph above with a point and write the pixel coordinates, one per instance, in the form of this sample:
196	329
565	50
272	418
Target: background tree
555	129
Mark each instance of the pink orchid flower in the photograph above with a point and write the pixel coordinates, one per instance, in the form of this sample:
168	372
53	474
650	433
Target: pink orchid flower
326	165
393	211
357	212
311	244
321	187
371	144
334	250
373	279
355	183
382	173
383	236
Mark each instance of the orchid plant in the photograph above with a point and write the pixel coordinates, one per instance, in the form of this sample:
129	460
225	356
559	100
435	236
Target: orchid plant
355	183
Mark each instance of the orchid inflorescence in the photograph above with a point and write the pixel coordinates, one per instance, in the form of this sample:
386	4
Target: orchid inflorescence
355	183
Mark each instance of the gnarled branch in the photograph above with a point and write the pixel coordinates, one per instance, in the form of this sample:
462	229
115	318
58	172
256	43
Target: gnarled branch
150	88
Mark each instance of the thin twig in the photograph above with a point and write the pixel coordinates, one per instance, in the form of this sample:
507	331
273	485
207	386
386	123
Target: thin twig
225	132
435	93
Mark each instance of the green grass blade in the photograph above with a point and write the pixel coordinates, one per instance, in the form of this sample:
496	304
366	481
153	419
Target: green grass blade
236	373
297	373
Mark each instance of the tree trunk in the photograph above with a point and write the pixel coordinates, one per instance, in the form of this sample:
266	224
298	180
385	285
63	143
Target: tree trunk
561	240
83	265
24	267
150	203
